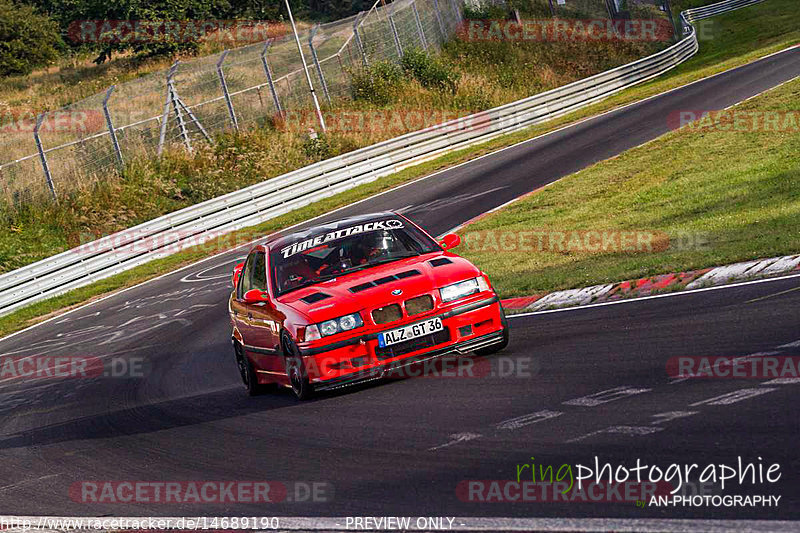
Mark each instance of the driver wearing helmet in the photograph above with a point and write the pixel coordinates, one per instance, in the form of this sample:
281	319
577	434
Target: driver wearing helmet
373	245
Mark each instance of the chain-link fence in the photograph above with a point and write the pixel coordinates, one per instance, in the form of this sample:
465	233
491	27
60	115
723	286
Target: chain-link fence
62	151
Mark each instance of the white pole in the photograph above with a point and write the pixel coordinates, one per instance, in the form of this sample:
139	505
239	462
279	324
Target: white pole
305	68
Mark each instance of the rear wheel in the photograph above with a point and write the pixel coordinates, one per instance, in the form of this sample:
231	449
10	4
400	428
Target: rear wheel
246	371
296	369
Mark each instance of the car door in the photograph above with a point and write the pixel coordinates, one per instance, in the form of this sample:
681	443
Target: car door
262	322
238	307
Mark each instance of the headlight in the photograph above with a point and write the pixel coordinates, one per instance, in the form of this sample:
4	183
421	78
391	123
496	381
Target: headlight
333	326
463	288
328	327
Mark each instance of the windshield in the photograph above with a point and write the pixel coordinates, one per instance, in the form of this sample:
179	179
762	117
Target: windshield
326	255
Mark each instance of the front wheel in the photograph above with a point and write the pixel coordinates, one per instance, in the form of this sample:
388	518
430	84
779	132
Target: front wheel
296	369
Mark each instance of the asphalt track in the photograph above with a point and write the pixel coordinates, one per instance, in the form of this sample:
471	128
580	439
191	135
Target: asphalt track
389	448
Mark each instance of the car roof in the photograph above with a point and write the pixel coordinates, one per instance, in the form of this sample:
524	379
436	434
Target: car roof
279	240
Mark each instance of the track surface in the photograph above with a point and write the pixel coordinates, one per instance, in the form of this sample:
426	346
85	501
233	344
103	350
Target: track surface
188	418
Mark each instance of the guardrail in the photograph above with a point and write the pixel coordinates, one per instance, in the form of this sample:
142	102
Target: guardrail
250	206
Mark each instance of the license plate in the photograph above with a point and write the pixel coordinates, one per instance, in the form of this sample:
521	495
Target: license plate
412	331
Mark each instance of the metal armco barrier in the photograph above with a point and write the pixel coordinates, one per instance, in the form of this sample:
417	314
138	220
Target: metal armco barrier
260	202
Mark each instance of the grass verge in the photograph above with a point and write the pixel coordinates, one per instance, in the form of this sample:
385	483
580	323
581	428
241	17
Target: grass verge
719	192
743	36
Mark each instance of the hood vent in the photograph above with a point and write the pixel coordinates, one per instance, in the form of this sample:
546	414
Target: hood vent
315	297
361	287
439	261
384	280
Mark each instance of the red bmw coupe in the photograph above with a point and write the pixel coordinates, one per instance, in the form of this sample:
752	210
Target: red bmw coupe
353	300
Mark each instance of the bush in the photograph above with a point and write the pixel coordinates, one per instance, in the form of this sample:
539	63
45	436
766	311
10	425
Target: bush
430	72
28	39
486	12
379	84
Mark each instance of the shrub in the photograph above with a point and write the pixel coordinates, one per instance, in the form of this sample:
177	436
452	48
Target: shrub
317	147
379	84
28	39
430	72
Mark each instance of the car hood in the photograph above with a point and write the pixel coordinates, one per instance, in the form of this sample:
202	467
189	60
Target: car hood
435	270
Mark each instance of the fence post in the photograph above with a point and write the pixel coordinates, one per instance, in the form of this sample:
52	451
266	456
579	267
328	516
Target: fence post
225	92
398	47
268	72
420	29
305	70
165	115
358	39
311	35
43	157
198	125
668	9
176	106
111	131
456	9
439	19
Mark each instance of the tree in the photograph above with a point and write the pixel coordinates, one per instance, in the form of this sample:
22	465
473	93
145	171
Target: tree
28	39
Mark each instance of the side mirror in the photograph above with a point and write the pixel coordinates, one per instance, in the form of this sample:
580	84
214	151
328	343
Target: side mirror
237	271
451	240
254	296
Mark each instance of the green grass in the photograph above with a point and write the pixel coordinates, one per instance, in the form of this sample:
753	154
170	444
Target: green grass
721	196
770	33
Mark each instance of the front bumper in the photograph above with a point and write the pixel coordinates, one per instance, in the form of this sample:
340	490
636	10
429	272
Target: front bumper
468	327
379	372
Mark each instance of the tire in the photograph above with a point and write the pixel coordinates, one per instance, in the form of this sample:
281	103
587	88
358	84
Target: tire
296	369
246	371
497	347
